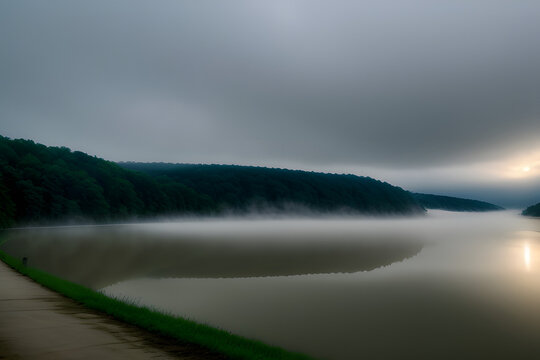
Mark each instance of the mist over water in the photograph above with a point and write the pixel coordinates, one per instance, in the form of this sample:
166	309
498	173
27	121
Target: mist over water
97	256
445	286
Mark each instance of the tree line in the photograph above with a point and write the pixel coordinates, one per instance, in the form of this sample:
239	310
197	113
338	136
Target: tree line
533	210
247	188
450	203
40	183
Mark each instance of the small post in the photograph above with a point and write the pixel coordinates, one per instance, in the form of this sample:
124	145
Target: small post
25	261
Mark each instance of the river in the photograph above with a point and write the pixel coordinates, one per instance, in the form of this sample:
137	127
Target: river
444	286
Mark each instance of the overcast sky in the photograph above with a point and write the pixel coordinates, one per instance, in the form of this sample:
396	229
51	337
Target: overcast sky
439	96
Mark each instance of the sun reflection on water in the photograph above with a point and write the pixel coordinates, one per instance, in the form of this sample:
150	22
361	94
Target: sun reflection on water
527	256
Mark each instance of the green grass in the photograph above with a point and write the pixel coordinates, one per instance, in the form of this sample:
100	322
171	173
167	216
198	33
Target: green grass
220	341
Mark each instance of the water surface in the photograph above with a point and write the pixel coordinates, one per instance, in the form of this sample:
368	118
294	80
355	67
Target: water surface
446	286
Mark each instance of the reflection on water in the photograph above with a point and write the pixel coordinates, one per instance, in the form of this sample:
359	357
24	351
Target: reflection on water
472	292
527	256
104	255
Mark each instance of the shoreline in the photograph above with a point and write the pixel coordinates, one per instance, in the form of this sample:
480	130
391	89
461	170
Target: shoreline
201	337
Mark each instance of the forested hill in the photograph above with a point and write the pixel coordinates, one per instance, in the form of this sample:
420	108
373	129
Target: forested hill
453	204
247	188
533	210
43	184
40	184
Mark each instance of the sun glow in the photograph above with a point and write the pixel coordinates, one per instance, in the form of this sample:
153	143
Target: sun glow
524	167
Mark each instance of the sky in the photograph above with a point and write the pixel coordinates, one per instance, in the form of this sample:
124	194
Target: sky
438	96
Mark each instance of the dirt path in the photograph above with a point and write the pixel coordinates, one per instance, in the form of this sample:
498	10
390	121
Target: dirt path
36	323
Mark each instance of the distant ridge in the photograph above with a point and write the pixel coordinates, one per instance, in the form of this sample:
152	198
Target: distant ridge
533	210
42	185
248	188
453	203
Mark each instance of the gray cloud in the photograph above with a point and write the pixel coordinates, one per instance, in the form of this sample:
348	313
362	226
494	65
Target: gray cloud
314	83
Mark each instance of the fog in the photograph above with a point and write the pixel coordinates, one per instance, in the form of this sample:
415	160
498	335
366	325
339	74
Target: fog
444	286
101	255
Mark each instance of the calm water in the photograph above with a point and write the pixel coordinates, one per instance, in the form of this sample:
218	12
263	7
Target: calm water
444	286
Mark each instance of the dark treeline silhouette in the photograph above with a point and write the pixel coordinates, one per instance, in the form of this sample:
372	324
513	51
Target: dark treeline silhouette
453	204
40	183
533	210
246	188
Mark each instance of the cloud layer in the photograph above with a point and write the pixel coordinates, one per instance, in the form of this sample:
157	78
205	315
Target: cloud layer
383	84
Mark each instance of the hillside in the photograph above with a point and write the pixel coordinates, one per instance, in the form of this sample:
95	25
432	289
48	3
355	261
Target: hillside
533	210
453	204
247	188
42	184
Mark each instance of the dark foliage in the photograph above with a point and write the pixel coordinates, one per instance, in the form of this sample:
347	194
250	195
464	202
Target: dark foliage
246	188
533	210
453	204
40	183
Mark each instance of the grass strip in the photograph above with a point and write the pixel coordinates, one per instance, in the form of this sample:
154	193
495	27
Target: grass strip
230	345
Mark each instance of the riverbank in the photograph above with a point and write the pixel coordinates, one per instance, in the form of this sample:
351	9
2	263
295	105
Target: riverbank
38	323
